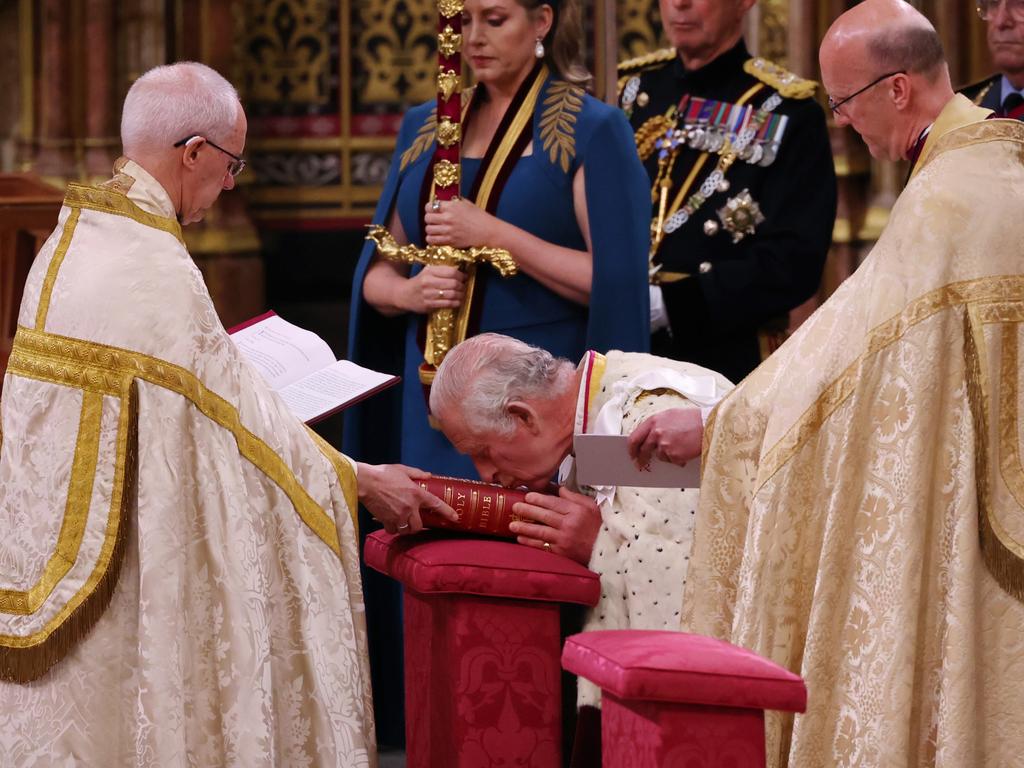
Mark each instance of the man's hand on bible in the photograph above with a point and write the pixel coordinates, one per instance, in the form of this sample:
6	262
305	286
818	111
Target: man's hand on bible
566	524
461	224
674	435
391	494
434	287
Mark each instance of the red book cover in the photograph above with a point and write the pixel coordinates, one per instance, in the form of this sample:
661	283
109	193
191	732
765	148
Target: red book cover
482	507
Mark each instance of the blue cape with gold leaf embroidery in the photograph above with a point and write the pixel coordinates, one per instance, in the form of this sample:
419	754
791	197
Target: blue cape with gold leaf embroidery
571	130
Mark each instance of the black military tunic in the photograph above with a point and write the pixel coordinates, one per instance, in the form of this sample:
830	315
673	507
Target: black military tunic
728	289
988	93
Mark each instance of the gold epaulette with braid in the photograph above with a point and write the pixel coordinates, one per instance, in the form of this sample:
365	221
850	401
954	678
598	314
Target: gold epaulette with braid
637	64
788	85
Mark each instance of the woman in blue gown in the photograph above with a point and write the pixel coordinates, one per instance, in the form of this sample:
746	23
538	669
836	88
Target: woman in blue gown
571	203
573	210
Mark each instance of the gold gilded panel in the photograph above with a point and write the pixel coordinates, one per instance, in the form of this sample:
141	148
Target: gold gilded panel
287	44
396	45
773	37
639	28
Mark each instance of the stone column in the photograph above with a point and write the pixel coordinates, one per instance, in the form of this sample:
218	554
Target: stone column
100	141
52	145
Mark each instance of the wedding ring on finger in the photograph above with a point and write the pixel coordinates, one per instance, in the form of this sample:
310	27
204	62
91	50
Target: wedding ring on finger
435	206
403	526
547	546
440	293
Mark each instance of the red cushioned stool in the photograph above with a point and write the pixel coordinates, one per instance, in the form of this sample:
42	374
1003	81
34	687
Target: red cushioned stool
675	700
482	644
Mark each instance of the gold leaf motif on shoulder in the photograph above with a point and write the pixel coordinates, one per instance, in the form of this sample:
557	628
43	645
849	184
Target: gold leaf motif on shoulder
557	123
647	60
788	85
424	138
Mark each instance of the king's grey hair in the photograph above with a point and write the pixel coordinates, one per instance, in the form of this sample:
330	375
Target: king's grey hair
483	374
175	101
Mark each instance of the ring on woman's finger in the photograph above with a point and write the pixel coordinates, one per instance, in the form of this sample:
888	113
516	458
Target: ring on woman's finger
403	526
547	545
440	293
435	206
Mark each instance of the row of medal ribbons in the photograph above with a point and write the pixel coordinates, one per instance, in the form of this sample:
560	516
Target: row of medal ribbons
708	123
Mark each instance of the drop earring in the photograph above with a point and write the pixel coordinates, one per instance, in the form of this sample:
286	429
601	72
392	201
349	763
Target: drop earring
538	49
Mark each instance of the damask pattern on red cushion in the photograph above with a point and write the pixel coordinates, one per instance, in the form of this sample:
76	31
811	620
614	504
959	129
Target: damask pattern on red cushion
483	686
642	734
679	667
435	562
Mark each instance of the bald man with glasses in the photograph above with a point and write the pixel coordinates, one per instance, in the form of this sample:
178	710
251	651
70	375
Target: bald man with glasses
1003	93
860	517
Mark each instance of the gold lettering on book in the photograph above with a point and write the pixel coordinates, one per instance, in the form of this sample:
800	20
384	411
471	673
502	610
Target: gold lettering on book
485	508
460	504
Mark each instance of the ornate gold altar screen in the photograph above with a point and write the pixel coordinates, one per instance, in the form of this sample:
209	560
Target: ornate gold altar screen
325	83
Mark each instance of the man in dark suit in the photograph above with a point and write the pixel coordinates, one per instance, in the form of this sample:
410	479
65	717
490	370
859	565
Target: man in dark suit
1004	91
743	187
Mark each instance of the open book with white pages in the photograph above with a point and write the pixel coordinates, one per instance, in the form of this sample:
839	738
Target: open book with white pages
301	367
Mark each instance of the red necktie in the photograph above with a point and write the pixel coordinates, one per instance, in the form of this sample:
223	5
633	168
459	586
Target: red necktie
1013	107
915	151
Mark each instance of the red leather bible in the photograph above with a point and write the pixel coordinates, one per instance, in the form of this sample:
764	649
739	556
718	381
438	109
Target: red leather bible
482	507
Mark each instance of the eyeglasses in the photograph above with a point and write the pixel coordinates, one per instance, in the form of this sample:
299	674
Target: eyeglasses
835	105
1014	9
237	163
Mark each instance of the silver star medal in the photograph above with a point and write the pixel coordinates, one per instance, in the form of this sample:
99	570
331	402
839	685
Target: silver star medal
740	215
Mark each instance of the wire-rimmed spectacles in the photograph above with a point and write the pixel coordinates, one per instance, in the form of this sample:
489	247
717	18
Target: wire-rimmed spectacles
835	105
237	163
1014	9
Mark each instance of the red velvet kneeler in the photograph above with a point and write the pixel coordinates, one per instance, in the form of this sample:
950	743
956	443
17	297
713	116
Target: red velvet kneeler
482	646
674	700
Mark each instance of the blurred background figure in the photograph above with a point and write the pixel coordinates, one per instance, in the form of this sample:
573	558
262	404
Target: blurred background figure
1004	91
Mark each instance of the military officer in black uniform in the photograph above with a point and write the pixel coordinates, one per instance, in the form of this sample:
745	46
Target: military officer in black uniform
743	187
1004	27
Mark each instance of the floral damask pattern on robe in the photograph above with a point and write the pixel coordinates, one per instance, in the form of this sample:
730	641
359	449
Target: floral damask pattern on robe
839	523
235	635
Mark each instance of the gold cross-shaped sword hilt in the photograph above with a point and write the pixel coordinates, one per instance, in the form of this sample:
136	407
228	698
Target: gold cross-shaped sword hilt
442	329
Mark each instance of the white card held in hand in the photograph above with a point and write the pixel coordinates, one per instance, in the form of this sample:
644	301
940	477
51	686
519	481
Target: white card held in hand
604	460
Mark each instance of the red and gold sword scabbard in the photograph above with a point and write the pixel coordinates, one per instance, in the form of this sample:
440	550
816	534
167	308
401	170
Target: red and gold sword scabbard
445	327
449	100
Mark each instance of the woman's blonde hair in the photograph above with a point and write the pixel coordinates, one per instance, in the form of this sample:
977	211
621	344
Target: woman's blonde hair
563	49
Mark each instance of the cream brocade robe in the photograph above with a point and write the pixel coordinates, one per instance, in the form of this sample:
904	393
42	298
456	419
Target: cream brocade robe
849	480
145	462
642	550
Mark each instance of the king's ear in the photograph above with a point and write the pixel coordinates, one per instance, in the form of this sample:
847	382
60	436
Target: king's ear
523	414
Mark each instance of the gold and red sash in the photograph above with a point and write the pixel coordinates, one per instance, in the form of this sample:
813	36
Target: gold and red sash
513	135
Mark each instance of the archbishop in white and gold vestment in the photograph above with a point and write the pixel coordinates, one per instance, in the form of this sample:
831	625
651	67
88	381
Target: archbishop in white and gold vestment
179	576
861	518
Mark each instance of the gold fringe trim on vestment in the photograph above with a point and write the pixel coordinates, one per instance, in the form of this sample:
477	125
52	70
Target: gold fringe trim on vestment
25	659
76	514
100	367
1003	557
